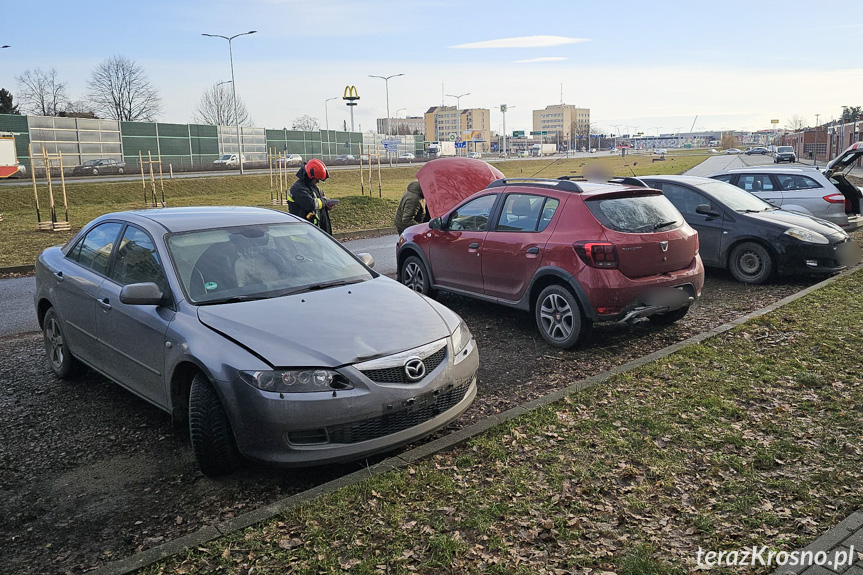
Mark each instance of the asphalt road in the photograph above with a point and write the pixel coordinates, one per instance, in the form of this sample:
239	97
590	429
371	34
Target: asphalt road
16	295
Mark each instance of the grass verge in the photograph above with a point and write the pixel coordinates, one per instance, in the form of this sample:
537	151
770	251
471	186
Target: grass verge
752	437
20	243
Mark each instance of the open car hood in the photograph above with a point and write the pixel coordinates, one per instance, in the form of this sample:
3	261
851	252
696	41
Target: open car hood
447	181
845	159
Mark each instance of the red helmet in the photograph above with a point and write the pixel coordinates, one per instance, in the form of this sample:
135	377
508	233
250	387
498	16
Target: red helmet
316	169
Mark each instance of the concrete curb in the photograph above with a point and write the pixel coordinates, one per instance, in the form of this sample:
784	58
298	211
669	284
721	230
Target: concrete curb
208	533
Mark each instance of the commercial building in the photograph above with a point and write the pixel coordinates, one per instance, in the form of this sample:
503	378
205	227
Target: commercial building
471	125
411	125
564	124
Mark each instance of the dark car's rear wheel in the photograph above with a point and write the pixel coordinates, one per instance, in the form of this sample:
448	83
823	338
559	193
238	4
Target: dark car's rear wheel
670	317
210	431
750	263
415	275
95	172
63	363
559	317
119	170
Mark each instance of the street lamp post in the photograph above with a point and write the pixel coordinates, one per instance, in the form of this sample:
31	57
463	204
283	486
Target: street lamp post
234	88
457	108
503	109
386	80
815	151
327	120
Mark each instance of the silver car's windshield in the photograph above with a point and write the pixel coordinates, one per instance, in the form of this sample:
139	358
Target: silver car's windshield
735	198
231	264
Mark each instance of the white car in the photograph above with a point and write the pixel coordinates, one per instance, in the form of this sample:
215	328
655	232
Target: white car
228	161
474	155
291	160
660	151
407	156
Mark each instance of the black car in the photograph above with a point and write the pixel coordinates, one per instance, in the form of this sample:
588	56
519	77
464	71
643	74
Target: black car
100	166
751	238
784	154
757	150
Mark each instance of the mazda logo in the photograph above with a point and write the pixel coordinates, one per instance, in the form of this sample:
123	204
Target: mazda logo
415	369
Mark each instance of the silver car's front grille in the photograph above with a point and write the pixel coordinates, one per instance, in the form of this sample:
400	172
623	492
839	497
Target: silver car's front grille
399	421
398	374
391	369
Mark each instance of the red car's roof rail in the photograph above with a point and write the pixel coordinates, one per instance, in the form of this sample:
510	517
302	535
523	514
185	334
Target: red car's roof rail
628	181
559	183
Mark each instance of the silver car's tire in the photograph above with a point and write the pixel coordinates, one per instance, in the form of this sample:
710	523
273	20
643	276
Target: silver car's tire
558	317
210	431
750	263
120	170
415	275
62	362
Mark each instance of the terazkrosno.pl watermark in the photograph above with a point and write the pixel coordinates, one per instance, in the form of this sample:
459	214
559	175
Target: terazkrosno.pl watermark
764	557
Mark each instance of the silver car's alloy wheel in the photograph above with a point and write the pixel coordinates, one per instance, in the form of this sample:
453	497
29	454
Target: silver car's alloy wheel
55	347
557	317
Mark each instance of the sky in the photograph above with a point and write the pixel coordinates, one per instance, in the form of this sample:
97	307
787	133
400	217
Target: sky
659	66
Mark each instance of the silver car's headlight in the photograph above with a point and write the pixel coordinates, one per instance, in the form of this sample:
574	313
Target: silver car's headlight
296	380
807	236
460	338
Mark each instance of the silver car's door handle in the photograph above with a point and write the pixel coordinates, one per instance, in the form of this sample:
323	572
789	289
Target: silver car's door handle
104	303
59	276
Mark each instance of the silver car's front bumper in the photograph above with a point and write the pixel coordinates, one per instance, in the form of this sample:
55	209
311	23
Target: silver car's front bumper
300	429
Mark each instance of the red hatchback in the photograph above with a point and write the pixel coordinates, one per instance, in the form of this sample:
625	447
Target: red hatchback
572	253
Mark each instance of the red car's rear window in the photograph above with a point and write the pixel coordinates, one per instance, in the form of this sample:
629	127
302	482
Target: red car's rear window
635	214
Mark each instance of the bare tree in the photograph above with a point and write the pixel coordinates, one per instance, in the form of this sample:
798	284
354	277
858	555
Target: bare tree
306	124
79	109
796	123
217	107
120	89
41	93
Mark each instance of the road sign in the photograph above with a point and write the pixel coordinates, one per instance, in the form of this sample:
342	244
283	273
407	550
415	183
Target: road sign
461	144
518	133
452	137
774	121
391	145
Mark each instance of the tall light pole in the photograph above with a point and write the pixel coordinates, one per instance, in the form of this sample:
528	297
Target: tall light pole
327	120
815	152
386	80
457	113
503	109
234	88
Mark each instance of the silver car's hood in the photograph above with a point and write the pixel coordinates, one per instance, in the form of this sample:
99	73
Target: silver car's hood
330	327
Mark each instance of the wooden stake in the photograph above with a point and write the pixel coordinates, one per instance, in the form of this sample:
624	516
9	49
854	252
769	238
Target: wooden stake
50	187
35	191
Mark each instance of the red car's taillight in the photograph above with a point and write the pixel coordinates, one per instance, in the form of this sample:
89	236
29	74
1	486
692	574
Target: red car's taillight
598	254
697	245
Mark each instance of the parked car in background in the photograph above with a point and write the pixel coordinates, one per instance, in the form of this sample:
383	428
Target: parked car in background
290	160
732	151
523	154
265	334
801	189
757	150
100	166
750	238
474	155
345	158
228	161
572	254
784	154
407	156
660	151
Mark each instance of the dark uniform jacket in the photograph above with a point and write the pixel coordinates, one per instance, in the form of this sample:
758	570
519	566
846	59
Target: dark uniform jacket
308	202
410	211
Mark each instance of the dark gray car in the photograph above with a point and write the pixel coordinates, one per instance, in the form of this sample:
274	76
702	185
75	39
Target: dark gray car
271	339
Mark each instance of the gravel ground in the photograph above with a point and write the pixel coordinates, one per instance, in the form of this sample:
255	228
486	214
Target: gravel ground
90	474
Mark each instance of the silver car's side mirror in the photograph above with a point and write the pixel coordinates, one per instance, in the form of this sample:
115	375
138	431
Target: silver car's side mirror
146	293
367	259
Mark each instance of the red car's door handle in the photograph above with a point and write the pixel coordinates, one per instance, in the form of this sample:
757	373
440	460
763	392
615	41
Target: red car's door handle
473	246
533	251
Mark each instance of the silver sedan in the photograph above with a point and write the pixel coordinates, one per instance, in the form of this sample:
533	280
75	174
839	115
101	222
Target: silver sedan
267	336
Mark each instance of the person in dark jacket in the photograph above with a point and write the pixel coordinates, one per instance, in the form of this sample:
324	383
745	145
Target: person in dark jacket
306	200
411	210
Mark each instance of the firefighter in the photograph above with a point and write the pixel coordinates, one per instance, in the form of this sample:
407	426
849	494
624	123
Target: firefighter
306	200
